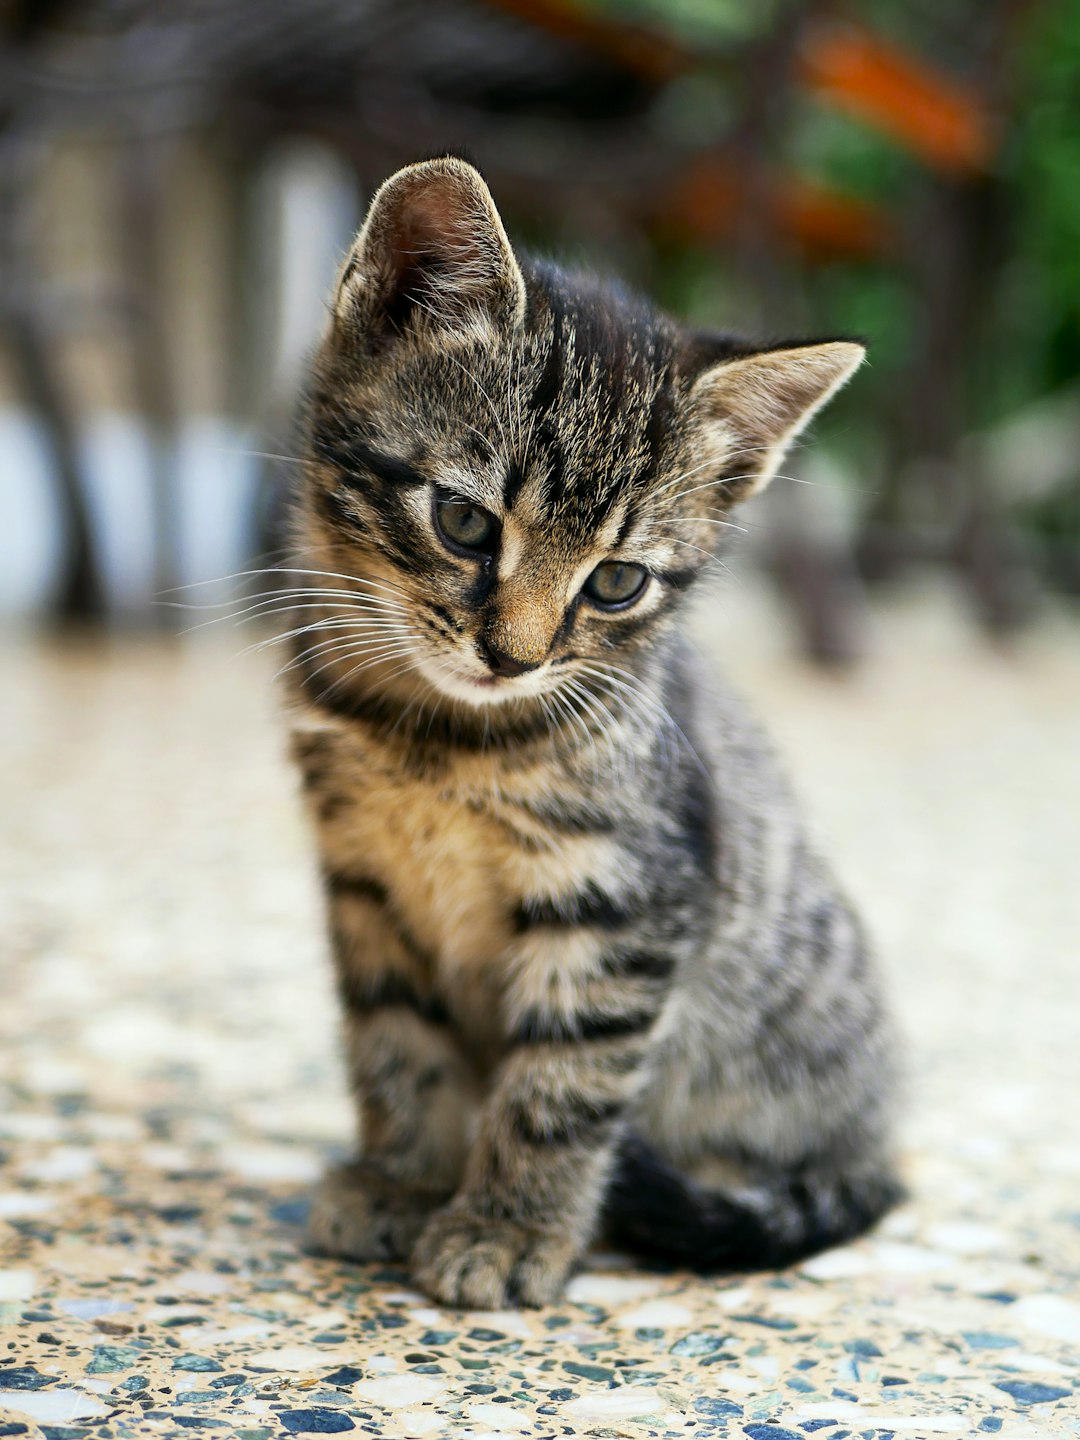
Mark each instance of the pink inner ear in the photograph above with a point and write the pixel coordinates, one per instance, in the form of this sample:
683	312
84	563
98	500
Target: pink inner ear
433	245
432	230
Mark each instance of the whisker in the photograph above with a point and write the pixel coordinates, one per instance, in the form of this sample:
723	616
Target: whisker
244	618
263	455
655	716
634	688
340	650
289	570
367	665
394	674
678	479
306	629
289	606
598	710
573	717
710	558
701	520
299	591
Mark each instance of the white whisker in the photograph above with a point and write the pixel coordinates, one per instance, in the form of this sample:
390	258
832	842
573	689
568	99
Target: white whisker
350	635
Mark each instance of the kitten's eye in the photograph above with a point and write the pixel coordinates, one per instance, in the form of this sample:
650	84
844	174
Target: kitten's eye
465	526
615	583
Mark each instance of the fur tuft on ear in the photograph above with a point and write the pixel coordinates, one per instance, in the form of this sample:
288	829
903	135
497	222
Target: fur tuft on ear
753	406
432	253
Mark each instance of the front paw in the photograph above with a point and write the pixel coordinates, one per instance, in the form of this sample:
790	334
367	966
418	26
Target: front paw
466	1260
361	1214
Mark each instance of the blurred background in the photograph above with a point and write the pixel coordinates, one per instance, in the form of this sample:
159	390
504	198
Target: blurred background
178	181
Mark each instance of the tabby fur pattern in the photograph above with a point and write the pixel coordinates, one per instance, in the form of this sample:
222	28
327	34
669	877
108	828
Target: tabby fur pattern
596	980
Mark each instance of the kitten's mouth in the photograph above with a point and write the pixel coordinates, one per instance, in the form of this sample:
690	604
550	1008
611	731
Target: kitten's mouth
480	690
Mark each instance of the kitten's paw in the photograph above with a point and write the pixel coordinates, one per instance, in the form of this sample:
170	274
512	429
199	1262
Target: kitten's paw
466	1260
361	1215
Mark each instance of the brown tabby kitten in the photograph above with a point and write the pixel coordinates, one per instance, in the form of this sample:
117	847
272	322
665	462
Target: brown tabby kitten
595	978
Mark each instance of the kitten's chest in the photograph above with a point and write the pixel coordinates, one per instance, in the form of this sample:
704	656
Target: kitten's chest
442	858
456	855
443	861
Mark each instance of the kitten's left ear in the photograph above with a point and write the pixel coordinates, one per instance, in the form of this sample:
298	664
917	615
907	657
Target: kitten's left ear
754	406
432	254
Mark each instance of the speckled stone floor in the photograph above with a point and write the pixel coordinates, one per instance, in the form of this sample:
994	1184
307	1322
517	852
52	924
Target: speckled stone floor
169	1084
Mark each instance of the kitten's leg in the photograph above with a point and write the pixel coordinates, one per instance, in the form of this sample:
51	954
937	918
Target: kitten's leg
581	1018
413	1089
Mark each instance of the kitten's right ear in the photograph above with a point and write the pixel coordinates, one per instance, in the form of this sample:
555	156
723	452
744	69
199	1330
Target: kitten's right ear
432	253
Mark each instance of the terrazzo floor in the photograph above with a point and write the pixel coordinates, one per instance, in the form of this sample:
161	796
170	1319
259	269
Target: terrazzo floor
169	1084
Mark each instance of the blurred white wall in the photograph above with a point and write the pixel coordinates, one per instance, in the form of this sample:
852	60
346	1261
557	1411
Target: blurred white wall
299	214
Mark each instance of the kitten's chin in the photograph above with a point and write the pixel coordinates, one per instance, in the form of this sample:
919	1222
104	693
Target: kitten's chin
481	691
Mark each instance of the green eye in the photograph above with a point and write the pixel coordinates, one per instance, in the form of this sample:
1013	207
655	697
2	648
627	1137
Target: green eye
616	583
465	526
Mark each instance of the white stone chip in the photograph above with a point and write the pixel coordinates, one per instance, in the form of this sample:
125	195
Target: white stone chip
654	1315
17	1284
16	1204
394	1392
966	1238
836	1264
621	1404
610	1290
52	1405
1051	1315
270	1162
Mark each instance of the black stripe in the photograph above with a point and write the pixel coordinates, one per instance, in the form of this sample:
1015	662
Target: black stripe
426	736
478	446
396	543
363	994
536	1028
564	819
544	399
331	804
309	745
639	965
680	579
337	508
661	416
566	626
632	623
546	390
357	887
695	808
628	522
444	615
483	587
515	479
573	1120
362	887
589	907
346	449
547	438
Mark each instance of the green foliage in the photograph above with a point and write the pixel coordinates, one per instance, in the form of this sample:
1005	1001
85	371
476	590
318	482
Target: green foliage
1043	154
1025	341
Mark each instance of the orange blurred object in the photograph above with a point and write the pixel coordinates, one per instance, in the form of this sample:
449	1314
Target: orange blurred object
930	114
642	52
708	202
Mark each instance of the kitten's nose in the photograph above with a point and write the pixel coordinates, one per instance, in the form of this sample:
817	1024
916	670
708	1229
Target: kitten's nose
500	663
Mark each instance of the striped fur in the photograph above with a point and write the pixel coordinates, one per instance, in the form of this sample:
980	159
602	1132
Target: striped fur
593	974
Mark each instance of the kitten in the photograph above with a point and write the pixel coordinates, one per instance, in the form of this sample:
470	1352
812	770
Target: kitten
595	979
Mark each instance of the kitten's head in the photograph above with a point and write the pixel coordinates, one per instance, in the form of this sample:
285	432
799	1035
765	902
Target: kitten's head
525	469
